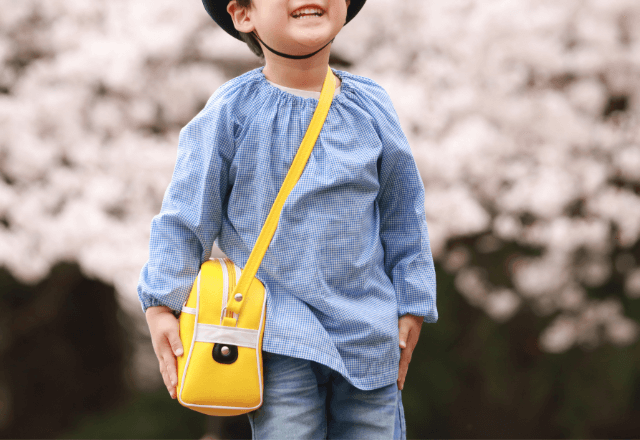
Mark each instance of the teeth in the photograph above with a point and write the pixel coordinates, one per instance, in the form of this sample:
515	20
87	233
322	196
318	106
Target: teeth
303	13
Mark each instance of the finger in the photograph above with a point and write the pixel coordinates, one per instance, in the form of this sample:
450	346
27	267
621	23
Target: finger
168	366
412	339
401	378
403	333
175	342
167	349
165	377
167	383
172	363
402	370
405	359
171	372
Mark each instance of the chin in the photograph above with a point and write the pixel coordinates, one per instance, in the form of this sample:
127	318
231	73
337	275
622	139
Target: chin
311	40
312	45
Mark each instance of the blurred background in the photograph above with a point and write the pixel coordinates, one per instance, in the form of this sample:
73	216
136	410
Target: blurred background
524	118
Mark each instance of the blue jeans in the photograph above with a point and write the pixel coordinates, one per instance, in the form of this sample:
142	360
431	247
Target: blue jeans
307	400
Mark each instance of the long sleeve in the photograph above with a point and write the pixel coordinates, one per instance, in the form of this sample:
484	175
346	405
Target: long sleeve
183	233
351	252
403	226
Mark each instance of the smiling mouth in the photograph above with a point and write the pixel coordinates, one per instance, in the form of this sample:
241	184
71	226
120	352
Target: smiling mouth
307	12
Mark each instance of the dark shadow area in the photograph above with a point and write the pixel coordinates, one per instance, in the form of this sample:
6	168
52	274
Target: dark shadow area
472	377
63	351
615	103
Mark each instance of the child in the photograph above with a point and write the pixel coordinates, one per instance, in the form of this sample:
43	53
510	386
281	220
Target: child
349	273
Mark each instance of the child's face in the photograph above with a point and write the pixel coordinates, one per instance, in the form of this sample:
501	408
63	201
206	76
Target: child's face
295	27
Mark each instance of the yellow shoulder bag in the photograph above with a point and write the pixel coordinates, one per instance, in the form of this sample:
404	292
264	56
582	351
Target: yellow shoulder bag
222	323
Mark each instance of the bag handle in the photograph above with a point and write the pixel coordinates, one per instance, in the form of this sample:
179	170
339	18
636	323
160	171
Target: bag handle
295	171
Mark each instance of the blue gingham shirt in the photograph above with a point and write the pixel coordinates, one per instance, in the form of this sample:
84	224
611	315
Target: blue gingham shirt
351	253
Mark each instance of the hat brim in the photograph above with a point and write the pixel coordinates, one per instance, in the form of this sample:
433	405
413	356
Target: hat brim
217	9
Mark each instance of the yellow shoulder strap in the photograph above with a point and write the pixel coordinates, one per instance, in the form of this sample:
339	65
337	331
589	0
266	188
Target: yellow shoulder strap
297	167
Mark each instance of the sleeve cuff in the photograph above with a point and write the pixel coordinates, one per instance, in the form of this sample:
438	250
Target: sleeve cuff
153	302
428	317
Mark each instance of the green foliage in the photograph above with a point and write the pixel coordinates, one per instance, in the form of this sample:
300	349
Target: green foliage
150	415
471	377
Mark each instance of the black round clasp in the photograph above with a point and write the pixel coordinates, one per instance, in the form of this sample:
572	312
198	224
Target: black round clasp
225	353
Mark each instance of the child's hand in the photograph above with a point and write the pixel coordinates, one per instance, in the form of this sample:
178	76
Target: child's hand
165	336
409	328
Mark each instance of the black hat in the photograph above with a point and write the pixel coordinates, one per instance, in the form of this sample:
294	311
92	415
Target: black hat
217	9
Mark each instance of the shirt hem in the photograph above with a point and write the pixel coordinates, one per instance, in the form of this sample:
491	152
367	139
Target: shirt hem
302	351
